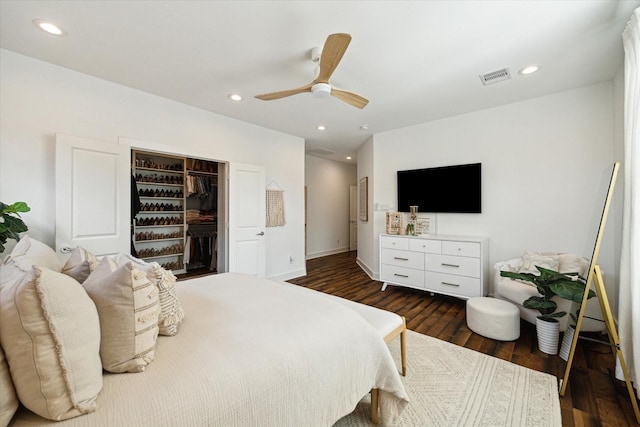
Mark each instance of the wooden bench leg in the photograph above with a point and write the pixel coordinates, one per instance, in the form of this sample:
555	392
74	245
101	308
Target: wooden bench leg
402	330
403	347
374	405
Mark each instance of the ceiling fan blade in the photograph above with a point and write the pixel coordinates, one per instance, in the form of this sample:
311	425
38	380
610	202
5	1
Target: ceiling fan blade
350	97
284	93
332	52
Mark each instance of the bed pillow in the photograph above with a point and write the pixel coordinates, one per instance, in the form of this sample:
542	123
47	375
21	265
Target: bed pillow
171	312
28	252
529	261
128	307
8	399
80	264
50	334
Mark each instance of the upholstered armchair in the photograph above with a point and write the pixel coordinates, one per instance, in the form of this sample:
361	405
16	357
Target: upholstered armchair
516	291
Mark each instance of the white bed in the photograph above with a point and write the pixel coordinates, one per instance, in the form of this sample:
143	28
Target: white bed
251	352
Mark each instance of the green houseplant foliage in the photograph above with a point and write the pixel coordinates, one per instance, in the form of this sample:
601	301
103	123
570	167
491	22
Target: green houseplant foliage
11	225
549	284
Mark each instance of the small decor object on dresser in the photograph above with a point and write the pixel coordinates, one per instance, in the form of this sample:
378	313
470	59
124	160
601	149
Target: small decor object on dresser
423	226
394	222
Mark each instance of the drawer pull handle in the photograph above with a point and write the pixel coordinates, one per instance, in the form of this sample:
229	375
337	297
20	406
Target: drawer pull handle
450	265
450	284
401	259
400	275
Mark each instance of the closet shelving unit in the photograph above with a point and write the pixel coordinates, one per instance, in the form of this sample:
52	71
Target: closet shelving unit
208	171
159	228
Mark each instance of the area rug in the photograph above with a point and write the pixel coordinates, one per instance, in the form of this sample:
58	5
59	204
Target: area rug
449	385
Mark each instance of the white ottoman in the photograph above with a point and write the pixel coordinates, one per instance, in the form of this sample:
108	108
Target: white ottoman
493	318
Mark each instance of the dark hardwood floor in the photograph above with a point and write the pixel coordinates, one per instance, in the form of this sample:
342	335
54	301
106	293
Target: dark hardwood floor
593	398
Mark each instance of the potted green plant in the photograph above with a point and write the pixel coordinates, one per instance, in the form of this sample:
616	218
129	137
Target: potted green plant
550	283
11	225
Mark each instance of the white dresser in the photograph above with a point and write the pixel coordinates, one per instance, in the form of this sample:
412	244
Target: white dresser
443	264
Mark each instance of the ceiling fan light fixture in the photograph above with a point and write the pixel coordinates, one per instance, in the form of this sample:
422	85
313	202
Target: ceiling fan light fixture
321	90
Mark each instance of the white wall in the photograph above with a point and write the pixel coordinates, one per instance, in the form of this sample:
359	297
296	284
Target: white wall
367	236
542	163
327	184
38	100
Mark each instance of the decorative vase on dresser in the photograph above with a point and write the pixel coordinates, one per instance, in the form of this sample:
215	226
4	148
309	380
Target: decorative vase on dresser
444	264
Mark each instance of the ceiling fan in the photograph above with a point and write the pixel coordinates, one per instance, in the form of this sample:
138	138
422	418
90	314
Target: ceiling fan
332	53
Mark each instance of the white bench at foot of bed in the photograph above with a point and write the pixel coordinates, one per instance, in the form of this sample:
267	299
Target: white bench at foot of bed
388	325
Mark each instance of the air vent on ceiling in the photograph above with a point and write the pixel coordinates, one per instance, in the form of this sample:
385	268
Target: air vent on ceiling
320	151
495	77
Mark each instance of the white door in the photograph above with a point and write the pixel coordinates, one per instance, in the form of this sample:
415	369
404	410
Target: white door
353	218
93	195
247	205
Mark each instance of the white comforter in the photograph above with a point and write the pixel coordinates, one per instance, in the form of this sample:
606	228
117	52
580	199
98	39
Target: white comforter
251	352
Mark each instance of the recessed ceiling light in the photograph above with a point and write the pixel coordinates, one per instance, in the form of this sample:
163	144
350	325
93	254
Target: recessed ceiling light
234	97
348	157
529	70
364	127
49	27
322	127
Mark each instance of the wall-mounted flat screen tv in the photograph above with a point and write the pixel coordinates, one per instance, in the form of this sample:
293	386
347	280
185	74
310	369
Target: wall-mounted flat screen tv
453	189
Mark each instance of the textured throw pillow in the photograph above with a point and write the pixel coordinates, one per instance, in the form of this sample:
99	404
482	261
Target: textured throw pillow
80	264
50	333
531	259
572	263
28	252
8	398
128	306
171	312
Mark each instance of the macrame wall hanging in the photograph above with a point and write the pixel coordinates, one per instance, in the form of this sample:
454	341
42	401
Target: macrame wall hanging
275	205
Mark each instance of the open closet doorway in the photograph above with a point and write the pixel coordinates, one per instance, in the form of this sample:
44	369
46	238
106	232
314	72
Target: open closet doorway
181	215
142	206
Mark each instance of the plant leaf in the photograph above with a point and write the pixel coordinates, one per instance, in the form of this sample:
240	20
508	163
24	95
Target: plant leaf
571	290
14	224
21	207
541	304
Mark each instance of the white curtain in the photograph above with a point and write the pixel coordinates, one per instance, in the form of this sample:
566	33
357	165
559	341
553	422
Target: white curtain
629	304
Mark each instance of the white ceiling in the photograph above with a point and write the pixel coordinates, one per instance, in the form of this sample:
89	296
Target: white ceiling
415	61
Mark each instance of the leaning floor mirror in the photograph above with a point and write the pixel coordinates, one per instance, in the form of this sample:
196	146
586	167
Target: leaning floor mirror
595	277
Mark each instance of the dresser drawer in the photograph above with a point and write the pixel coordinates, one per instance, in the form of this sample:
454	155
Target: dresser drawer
453	265
402	275
425	245
469	249
394	242
402	258
453	285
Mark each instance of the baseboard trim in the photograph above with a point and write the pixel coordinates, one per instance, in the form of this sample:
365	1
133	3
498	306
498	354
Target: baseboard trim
372	274
289	275
327	253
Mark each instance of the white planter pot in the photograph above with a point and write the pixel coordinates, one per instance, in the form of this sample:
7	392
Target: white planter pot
548	336
567	340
